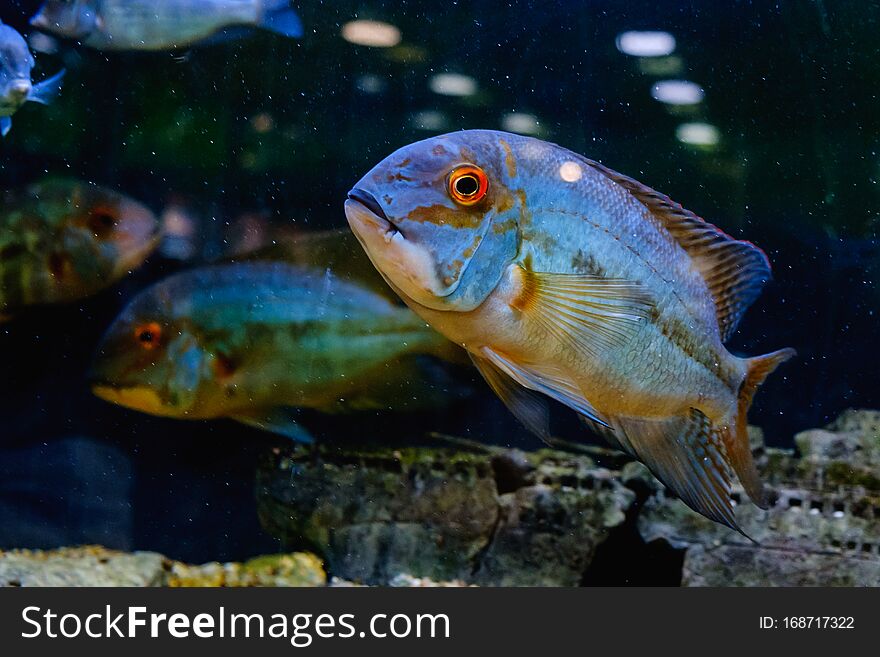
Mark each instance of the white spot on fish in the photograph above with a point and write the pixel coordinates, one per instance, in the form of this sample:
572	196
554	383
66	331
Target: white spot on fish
570	171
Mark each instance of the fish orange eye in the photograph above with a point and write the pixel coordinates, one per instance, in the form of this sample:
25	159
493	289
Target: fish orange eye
468	184
148	335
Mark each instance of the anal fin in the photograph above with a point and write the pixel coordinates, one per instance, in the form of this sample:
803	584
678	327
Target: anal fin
687	454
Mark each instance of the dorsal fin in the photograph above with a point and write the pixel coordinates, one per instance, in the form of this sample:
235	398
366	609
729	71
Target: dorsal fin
733	270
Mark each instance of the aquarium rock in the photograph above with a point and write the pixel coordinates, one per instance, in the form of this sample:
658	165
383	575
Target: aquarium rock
94	565
488	516
823	525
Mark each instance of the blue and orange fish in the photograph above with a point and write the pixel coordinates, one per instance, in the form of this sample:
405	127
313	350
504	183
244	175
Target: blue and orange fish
565	279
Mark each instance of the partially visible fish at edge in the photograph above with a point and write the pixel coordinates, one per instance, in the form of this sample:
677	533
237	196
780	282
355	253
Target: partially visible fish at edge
161	24
16	83
62	240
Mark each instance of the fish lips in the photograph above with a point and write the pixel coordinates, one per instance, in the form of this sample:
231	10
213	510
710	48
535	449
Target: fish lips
139	398
140	250
363	210
19	90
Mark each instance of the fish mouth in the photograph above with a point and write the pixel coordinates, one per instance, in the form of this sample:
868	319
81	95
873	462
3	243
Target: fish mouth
136	257
139	398
19	89
364	213
369	201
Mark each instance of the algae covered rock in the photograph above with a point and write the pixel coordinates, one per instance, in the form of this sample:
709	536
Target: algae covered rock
486	516
97	566
81	566
296	569
549	528
373	515
740	565
822	526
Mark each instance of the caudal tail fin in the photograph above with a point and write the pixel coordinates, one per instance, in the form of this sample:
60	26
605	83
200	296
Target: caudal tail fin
736	438
280	17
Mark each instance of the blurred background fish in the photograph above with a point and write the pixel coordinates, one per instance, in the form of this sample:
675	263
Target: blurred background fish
255	340
161	24
338	250
63	240
16	86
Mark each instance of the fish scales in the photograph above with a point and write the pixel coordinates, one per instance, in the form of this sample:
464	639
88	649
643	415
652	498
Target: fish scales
627	242
279	312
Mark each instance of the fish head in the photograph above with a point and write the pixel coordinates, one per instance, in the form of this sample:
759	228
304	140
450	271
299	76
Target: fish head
441	218
16	63
150	359
111	227
74	19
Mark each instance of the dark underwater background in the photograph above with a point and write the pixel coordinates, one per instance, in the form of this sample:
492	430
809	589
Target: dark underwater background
791	87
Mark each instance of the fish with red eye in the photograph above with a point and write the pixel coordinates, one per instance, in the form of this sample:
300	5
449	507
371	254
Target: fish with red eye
576	283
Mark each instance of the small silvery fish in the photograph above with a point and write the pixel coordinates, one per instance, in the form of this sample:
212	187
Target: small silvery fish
16	87
63	240
160	24
254	340
562	277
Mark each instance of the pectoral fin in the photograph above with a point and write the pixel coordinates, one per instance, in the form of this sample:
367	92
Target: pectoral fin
589	313
544	379
277	420
527	406
687	454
